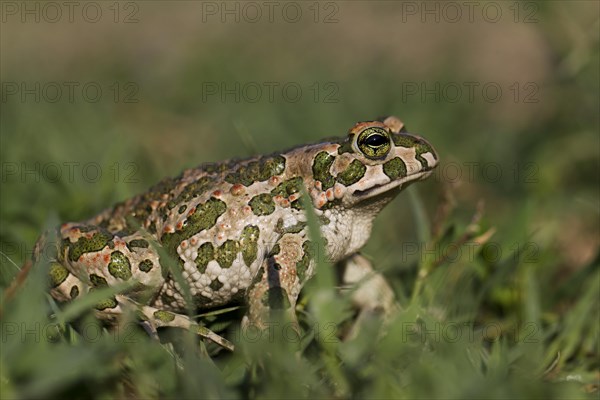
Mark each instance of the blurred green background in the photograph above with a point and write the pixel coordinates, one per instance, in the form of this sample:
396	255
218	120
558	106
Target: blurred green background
101	102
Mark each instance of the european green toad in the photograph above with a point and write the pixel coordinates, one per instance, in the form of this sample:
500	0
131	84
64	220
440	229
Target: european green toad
236	230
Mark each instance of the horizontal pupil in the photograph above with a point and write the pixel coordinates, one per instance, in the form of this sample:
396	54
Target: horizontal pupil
375	141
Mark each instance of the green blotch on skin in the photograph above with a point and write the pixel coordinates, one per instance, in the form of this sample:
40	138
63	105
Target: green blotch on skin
271	166
145	265
119	266
216	285
419	145
295	228
403	140
422	160
279	228
193	189
126	231
214	167
58	274
74	292
204	217
346	145
275	250
307	255
232	178
320	168
276	298
262	204
257	170
226	253
182	209
352	174
138	243
206	253
87	245
288	188
249	243
163	316
252	171
97	280
106	303
395	168
245	174
110	302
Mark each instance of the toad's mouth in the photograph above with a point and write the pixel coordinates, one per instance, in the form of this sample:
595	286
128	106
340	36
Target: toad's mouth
392	186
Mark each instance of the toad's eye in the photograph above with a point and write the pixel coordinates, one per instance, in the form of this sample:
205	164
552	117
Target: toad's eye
374	142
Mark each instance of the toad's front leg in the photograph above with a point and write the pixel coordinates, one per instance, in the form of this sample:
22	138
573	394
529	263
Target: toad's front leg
369	290
370	293
277	284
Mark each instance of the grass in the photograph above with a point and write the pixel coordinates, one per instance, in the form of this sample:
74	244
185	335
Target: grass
451	339
496	276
